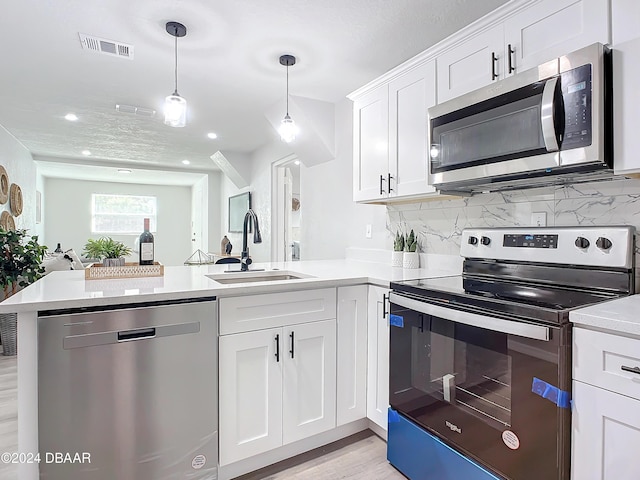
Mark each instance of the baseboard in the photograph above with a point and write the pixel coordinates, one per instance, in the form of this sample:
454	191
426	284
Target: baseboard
233	470
378	430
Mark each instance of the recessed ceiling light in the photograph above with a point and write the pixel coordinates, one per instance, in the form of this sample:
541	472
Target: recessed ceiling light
72	117
297	162
86	152
186	162
124	170
212	135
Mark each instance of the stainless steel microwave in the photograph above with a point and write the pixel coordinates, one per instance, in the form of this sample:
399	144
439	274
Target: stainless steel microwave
547	125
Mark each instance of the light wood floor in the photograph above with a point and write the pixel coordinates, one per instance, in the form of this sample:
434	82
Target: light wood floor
361	456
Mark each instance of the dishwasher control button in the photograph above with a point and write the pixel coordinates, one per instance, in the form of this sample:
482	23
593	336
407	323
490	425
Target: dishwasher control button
603	243
582	242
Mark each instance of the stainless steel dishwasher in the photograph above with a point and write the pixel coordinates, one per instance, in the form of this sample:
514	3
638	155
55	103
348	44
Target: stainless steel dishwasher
134	387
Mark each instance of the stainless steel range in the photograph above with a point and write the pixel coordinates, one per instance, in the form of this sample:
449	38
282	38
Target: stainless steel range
480	364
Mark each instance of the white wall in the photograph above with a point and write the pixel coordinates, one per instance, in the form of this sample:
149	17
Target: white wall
21	168
68	213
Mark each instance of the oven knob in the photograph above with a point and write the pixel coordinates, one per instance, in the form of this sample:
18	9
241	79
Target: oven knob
603	243
582	242
473	240
485	240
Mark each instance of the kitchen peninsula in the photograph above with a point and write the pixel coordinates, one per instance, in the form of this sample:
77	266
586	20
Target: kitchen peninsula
63	292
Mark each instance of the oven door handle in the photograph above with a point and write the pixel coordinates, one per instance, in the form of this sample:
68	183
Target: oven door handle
548	115
527	330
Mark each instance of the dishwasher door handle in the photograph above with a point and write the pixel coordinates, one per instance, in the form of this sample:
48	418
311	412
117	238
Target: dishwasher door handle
128	335
125	336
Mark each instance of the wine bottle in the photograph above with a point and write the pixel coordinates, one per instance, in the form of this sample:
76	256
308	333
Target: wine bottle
146	245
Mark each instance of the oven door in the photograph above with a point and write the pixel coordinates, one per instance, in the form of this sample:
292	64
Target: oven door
480	382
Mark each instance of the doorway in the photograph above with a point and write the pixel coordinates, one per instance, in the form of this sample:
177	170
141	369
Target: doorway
287	210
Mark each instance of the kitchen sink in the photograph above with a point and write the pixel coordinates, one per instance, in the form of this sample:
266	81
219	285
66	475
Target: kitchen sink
256	276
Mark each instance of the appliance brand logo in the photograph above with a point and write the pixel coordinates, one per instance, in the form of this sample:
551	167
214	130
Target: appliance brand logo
452	427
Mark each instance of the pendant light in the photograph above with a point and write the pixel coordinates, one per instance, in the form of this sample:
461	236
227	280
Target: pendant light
288	127
175	107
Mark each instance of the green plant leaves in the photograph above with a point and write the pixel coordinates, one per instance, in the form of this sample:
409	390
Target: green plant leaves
105	247
20	258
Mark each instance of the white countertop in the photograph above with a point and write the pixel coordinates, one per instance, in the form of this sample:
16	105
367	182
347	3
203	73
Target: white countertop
61	290
617	316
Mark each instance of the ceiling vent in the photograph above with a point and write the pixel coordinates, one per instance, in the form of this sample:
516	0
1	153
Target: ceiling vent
108	47
141	111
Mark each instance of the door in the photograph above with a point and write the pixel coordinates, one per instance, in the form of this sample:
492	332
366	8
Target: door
606	433
551	28
250	393
371	145
309	382
378	358
409	98
484	390
352	354
472	64
199	214
288	195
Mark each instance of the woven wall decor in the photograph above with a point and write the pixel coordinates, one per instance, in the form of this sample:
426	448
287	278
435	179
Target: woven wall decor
15	199
6	221
4	185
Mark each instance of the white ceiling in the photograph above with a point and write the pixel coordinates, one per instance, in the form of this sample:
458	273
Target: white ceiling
228	68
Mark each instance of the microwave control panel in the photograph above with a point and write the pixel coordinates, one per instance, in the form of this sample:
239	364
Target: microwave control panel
576	94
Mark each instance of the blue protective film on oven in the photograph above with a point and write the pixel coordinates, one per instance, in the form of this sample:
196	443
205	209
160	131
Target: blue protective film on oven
396	321
393	416
561	398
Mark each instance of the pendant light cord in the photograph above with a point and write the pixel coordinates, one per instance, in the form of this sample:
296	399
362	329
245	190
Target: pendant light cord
176	51
287	88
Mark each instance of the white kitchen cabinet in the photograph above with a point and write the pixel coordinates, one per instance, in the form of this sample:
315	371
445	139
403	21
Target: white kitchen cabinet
378	359
606	435
606	406
391	137
371	145
276	386
410	95
626	95
534	35
352	354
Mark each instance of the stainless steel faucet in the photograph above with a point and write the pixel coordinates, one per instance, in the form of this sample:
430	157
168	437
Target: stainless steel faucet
250	219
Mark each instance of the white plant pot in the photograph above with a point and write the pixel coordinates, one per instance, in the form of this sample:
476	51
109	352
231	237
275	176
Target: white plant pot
411	260
396	259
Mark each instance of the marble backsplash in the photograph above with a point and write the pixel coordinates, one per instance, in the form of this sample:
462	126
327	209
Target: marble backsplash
438	224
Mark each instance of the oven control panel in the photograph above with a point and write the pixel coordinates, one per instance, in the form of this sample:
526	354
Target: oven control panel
530	241
606	246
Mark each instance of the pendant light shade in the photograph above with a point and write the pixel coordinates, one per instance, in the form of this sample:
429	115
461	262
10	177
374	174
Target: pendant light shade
175	107
288	128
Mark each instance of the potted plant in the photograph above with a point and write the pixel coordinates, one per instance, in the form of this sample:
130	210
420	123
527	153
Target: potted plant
411	258
398	247
112	252
20	265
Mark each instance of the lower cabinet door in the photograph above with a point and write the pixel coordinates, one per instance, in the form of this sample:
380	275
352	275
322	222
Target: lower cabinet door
606	435
250	382
378	358
309	380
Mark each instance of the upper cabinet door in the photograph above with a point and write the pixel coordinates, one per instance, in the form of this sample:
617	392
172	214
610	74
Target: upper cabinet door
409	98
552	28
472	64
371	145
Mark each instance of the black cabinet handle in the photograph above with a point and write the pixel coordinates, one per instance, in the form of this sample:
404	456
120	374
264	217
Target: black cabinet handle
381	180
494	60
510	53
384	305
631	369
292	341
136	334
389	177
277	348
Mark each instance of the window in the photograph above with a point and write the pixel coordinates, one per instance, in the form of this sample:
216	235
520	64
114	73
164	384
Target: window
123	214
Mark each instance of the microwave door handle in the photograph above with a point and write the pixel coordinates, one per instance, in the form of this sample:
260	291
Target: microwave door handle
546	115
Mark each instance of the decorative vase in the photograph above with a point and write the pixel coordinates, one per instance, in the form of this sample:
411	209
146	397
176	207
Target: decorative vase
113	262
9	333
396	258
411	260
